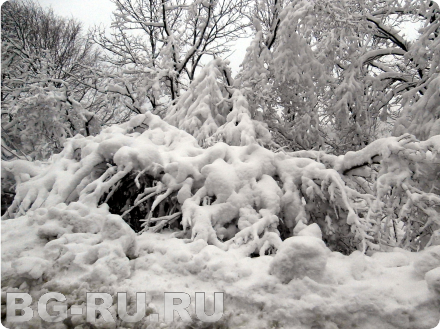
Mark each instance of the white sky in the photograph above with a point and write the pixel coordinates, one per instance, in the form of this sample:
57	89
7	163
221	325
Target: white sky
95	12
90	12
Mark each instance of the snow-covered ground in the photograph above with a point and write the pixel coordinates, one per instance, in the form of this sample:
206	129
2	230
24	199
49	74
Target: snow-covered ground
58	250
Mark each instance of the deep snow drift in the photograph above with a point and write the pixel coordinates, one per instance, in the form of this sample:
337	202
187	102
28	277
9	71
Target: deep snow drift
206	211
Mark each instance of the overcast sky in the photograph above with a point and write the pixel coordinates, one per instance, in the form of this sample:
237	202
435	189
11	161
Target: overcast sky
95	12
90	12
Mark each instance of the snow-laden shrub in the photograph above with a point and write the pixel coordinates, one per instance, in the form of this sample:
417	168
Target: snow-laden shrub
247	196
407	193
219	193
13	173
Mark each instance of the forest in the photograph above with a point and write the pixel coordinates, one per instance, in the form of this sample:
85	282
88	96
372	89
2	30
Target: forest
305	186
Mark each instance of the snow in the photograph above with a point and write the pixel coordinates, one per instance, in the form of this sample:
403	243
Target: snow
230	201
299	257
428	260
202	195
310	230
302	286
30	267
432	278
391	259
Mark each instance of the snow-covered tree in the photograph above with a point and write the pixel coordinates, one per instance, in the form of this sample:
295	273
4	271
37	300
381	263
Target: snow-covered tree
213	110
421	113
42	104
329	72
157	46
204	106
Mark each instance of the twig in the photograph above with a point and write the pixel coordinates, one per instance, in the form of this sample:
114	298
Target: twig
139	202
163	217
165	221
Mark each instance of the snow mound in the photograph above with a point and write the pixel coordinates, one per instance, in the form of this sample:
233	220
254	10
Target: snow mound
432	278
427	260
311	230
76	241
351	291
30	267
391	259
298	257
